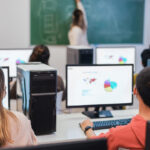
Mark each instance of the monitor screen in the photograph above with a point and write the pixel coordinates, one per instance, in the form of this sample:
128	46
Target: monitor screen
11	57
6	98
115	55
148	63
99	85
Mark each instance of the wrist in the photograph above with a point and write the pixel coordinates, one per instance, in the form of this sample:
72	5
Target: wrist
87	128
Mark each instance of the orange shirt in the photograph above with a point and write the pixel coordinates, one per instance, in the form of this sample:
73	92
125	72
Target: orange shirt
131	136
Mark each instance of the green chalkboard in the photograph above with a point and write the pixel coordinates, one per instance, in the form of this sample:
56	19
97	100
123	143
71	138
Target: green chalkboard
109	21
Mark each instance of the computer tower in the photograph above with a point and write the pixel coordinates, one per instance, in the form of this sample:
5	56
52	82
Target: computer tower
79	55
38	85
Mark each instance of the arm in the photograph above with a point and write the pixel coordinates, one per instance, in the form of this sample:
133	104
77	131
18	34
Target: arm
89	133
80	6
61	87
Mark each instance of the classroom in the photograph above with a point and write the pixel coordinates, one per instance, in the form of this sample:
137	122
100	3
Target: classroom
74	126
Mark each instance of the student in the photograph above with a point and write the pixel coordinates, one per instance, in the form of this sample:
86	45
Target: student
145	55
78	31
131	136
15	128
41	53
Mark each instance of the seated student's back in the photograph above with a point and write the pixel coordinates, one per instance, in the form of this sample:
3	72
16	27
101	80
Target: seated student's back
15	128
41	54
20	131
131	136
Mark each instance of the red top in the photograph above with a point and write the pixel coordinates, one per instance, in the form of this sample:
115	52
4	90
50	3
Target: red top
131	136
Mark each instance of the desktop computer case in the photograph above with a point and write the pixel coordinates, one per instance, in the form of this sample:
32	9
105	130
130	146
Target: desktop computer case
79	55
39	102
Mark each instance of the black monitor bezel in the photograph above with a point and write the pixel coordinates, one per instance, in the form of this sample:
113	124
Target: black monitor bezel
114	48
17	49
83	106
97	144
6	67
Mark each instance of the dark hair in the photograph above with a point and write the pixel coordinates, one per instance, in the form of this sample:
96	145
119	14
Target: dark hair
40	54
78	19
143	85
145	55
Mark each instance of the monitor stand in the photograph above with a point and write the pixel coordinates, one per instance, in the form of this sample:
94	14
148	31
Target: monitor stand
98	114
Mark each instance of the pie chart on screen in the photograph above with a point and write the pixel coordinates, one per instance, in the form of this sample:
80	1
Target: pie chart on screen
109	86
19	61
122	60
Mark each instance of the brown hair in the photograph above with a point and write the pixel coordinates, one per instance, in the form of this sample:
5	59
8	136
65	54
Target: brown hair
40	54
4	123
78	19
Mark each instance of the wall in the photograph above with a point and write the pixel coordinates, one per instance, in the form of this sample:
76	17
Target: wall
15	32
14	26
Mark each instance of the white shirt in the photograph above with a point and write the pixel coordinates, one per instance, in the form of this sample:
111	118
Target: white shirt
76	35
20	131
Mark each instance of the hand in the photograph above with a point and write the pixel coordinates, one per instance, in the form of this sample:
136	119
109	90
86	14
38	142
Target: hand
77	1
86	123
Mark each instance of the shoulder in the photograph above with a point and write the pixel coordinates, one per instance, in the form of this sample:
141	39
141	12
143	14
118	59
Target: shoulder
21	130
20	116
22	120
75	29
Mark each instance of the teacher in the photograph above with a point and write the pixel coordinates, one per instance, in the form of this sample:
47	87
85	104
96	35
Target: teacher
78	31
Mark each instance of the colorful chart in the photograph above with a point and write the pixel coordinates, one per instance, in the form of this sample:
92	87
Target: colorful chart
4	59
109	86
89	80
122	60
19	61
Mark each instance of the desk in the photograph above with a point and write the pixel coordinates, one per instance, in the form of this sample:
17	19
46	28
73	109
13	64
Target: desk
68	126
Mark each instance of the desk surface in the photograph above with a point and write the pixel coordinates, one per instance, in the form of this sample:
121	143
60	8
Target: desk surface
68	126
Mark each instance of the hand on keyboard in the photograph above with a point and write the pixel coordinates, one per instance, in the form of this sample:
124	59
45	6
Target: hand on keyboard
86	123
109	123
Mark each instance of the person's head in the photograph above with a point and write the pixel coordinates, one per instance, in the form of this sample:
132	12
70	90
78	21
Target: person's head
77	19
143	85
40	54
145	55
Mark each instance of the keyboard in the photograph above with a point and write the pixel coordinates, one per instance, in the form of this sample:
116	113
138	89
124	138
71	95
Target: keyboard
110	123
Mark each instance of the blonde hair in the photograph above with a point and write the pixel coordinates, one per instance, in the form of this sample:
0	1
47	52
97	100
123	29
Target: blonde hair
4	123
78	19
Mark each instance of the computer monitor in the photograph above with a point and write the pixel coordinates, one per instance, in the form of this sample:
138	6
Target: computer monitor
79	55
6	102
12	57
99	85
115	55
148	63
95	144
